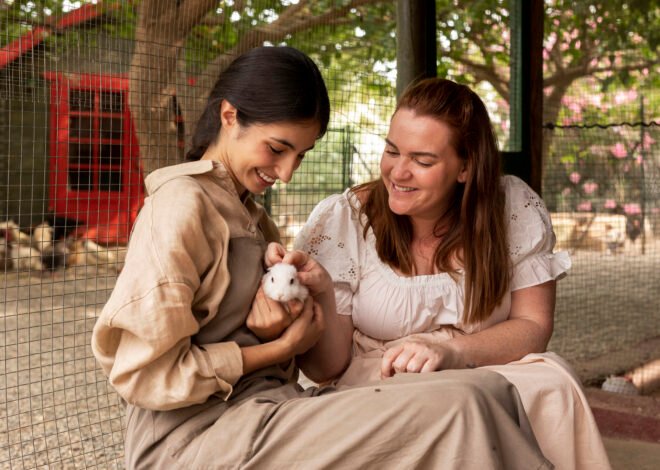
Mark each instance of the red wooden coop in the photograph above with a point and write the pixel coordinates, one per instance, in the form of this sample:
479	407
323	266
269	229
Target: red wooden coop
93	155
94	176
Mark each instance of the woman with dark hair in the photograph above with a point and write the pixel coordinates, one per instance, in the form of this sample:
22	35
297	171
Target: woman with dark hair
206	362
444	264
287	89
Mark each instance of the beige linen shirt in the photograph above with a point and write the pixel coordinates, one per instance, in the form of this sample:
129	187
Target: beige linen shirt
171	286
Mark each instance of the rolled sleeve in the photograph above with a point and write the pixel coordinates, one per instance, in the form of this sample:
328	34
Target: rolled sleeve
150	360
226	361
143	339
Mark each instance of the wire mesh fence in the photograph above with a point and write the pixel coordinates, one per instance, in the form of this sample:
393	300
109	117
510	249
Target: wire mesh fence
93	97
86	111
601	185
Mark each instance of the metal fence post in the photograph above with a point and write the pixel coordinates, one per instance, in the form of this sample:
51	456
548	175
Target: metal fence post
416	48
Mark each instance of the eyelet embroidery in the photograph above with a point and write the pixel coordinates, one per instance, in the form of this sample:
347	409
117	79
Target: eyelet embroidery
314	238
522	220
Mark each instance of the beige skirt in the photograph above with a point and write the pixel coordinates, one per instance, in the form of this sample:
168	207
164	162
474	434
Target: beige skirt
549	389
450	420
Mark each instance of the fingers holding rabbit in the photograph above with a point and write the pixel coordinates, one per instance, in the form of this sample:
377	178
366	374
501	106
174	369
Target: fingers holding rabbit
279	301
306	330
310	273
275	253
268	318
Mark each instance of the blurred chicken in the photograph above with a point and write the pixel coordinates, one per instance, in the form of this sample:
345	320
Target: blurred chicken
19	252
14	232
55	255
25	258
102	254
42	236
633	227
85	252
5	264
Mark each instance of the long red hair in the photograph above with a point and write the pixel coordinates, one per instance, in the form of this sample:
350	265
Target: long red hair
473	231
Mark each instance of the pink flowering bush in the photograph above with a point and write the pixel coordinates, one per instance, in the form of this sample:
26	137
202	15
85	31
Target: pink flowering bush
601	170
599	158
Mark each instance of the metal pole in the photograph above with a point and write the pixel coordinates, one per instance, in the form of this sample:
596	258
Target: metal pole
416	55
345	161
642	155
525	157
533	91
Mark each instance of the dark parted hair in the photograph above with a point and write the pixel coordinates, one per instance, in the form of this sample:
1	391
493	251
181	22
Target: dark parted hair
474	230
265	85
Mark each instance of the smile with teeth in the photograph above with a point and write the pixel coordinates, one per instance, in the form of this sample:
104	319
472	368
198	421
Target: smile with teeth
265	177
403	189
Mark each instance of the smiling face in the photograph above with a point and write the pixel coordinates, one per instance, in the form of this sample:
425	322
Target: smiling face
420	167
258	155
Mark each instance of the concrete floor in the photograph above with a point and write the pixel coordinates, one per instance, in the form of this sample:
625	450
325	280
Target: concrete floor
632	455
630	426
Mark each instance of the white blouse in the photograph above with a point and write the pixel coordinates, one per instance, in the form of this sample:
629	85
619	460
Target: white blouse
386	305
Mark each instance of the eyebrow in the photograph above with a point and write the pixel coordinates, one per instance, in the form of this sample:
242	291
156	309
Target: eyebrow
414	154
289	144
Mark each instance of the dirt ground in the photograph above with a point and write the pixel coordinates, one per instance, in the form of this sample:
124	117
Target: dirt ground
607	317
58	411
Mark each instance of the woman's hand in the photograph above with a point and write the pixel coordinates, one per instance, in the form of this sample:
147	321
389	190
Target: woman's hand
418	356
310	273
304	331
274	254
268	318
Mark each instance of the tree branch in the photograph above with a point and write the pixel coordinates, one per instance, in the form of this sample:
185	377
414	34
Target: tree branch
293	10
489	74
286	23
572	74
219	20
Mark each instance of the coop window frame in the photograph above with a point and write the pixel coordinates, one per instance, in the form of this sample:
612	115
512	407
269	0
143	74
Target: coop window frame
90	205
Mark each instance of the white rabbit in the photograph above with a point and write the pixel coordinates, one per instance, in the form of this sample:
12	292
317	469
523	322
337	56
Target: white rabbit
281	283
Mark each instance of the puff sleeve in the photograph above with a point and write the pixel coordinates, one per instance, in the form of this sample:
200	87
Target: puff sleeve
531	238
333	237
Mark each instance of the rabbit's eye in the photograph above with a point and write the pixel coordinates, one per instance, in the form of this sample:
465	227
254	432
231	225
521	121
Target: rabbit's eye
291	281
272	279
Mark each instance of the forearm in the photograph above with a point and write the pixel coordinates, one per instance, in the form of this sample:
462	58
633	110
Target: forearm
263	355
500	344
527	330
332	353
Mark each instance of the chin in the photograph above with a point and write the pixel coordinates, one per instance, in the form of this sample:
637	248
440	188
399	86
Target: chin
254	187
397	210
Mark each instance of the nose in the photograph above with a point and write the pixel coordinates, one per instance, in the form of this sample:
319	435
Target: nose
287	166
400	168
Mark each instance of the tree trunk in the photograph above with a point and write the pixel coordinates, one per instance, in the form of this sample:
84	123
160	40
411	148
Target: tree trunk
551	108
161	31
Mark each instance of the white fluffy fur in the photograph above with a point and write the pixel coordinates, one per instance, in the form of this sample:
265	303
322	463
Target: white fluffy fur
281	283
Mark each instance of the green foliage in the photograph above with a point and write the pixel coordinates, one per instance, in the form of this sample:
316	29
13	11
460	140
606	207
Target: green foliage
592	50
601	37
600	170
326	170
348	44
18	17
472	33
